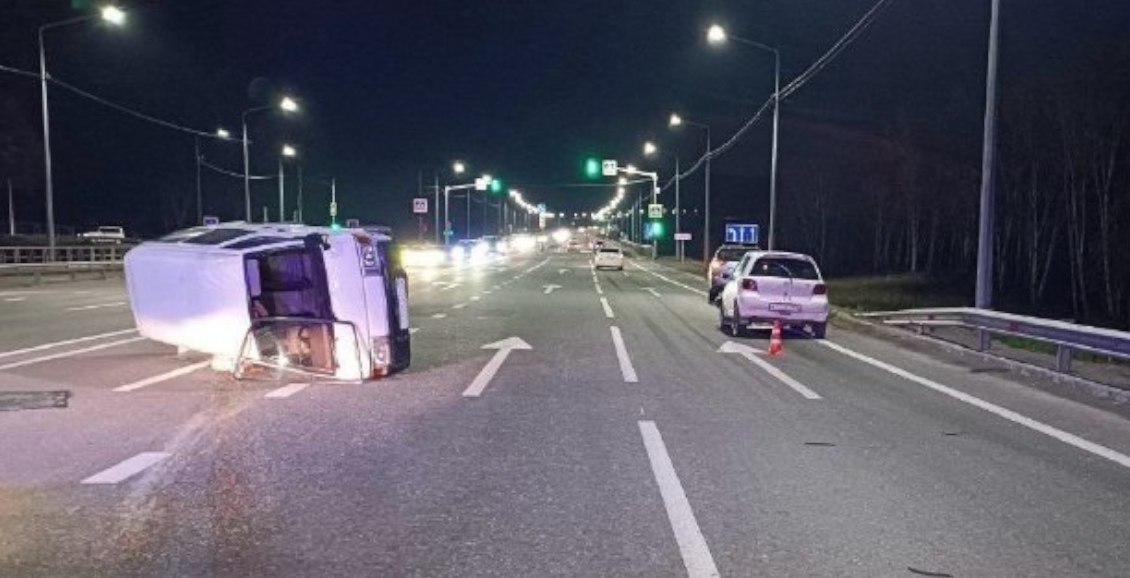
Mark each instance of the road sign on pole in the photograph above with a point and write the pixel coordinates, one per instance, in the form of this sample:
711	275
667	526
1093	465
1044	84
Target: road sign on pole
481	184
210	221
682	236
333	208
608	167
742	233
655	211
420	206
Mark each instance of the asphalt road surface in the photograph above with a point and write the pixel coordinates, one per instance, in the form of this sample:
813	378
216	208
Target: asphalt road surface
631	438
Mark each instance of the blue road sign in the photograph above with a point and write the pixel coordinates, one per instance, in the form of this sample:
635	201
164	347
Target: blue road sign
743	233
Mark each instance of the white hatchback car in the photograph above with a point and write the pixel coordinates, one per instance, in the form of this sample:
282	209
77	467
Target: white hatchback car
608	257
775	286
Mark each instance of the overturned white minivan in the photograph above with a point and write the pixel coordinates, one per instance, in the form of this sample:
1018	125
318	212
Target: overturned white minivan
314	300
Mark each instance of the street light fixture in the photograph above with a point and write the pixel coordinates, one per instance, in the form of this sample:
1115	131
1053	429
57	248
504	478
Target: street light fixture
113	15
288	104
288	151
675	120
109	14
223	133
458	167
649	148
717	35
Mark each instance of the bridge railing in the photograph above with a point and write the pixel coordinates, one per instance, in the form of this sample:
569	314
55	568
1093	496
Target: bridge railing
1065	336
101	253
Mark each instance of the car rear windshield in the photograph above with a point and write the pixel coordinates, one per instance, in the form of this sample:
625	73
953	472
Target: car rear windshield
731	254
787	267
609	250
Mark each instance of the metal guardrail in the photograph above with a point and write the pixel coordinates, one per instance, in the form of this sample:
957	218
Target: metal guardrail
77	253
1067	337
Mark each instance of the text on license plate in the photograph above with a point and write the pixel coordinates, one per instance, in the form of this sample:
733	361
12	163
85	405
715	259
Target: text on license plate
784	307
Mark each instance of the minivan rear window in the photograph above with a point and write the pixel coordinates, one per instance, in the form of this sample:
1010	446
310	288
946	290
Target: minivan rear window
787	267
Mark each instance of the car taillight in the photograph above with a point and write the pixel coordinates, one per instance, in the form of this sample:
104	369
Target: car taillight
820	289
715	266
749	285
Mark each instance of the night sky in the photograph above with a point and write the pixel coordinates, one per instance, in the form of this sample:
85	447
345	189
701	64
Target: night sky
524	90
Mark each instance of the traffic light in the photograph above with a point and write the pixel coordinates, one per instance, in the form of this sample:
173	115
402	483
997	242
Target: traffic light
495	186
653	230
592	168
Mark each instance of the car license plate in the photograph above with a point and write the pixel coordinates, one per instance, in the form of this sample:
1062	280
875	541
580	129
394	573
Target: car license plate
784	307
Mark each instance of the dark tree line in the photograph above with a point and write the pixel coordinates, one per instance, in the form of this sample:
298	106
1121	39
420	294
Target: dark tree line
906	200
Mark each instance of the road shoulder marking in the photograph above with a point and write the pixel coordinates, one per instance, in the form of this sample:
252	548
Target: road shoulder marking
626	368
162	377
127	469
1063	436
668	279
69	353
55	344
692	544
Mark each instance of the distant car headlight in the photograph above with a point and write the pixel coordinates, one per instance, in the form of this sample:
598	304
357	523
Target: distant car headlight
457	253
561	235
480	249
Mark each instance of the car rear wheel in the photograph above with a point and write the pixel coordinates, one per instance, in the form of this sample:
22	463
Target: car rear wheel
723	325
819	330
736	323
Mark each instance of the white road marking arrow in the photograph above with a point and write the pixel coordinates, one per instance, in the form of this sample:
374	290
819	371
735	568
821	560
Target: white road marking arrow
504	348
549	288
752	355
652	291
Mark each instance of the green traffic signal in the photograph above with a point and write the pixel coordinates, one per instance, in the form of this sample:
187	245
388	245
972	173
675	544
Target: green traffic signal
495	186
592	168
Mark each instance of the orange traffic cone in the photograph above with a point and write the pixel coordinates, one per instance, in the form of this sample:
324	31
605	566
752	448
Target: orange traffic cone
775	345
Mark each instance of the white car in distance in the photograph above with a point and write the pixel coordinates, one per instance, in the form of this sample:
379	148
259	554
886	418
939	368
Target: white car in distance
105	235
608	258
775	286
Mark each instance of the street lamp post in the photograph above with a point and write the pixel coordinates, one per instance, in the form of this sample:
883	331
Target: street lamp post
287	152
287	104
676	121
110	14
717	35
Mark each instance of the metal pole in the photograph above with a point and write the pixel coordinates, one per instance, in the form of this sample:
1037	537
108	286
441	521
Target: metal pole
282	194
11	211
706	208
984	295
446	213
266	215
299	218
654	200
773	167
50	190
246	173
678	228
199	194
333	199
467	232
435	207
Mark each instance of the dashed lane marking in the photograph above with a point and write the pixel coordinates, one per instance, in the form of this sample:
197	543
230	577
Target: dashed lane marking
127	469
69	353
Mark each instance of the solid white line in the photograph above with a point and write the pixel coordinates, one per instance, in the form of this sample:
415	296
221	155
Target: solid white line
286	390
784	378
692	544
459	306
626	368
439	316
69	353
669	280
65	342
127	469
14	299
1065	437
163	377
607	308
99	306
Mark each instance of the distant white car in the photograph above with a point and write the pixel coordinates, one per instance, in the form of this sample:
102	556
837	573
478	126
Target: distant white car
775	286
105	235
608	257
